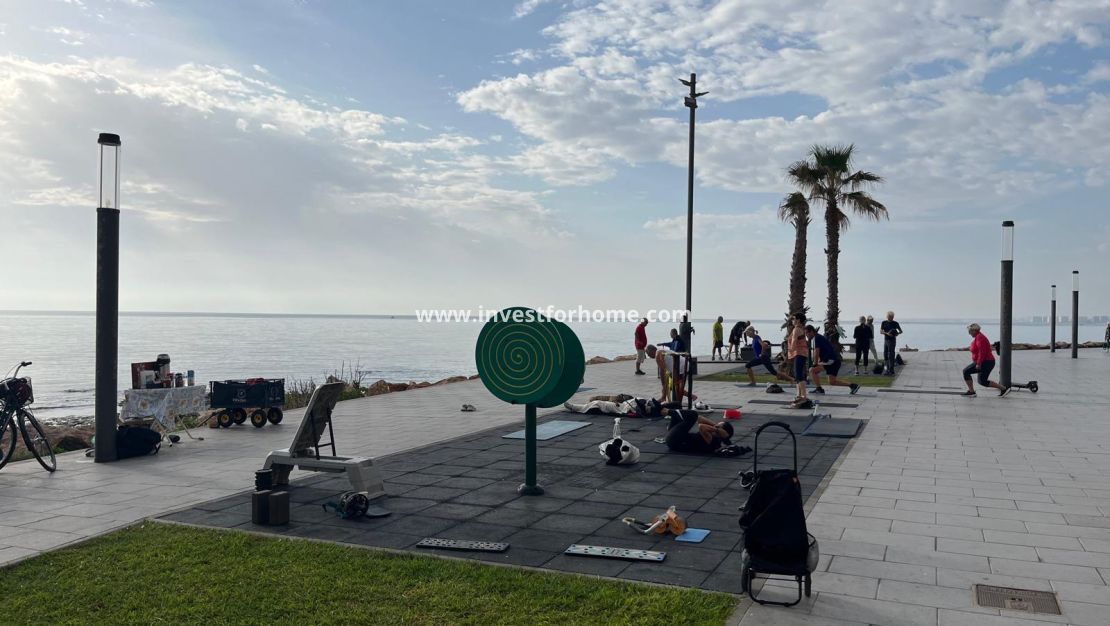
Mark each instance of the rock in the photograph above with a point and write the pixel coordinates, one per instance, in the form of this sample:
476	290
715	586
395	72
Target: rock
70	442
474	377
451	379
378	388
598	359
625	357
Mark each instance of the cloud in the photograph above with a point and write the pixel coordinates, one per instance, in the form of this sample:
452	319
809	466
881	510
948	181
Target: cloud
916	104
713	227
526	7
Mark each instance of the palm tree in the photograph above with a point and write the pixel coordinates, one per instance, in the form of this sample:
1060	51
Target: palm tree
794	210
825	176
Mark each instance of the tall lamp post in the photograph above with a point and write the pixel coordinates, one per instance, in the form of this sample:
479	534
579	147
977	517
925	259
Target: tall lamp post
691	102
1075	314
107	294
1006	321
1052	334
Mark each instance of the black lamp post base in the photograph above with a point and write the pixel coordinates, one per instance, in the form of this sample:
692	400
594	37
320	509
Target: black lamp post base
530	490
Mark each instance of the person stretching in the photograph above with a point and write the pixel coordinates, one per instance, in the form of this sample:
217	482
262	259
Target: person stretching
672	370
828	359
982	362
762	350
693	434
864	335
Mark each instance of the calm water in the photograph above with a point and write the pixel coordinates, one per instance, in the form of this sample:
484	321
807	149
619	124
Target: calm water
220	347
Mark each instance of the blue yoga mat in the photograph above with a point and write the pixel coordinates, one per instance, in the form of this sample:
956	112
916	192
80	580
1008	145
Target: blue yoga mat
693	535
549	430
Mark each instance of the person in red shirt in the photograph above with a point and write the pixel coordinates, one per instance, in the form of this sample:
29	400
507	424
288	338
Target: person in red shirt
641	344
982	363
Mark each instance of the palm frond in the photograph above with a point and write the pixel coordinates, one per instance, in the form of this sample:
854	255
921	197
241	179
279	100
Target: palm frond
861	203
803	174
862	179
833	159
794	207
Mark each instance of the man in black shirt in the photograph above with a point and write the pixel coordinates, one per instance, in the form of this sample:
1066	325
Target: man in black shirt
693	434
890	330
863	335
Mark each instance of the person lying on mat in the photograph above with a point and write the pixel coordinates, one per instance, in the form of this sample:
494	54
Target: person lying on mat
693	434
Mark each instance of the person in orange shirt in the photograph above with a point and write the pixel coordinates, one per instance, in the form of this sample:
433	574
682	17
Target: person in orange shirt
798	353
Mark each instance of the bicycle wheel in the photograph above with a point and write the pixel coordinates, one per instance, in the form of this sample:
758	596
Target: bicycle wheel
7	437
36	441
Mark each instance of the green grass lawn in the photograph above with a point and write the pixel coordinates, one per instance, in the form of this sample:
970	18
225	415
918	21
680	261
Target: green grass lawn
742	377
165	574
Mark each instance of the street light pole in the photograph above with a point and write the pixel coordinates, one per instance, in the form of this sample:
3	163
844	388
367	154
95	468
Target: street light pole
1052	348
107	295
1006	321
1075	314
691	102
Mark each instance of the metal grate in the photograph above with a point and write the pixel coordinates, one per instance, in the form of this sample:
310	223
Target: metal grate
462	544
1027	600
616	553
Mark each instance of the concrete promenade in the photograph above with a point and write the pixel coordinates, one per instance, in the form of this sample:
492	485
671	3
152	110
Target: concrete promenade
939	492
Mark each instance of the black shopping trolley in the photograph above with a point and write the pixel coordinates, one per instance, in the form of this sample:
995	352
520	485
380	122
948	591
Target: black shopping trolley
776	542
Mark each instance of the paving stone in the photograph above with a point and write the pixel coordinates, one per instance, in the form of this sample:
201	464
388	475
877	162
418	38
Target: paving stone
453	511
570	523
873	611
547	540
511	517
413	525
884	570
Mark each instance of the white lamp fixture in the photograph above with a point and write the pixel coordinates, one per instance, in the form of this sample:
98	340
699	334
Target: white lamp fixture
107	170
1007	241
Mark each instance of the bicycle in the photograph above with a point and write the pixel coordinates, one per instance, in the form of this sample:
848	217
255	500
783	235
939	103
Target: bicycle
15	395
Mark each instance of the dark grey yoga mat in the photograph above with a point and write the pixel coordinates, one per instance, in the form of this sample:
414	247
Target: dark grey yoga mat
937	392
815	399
549	430
834	427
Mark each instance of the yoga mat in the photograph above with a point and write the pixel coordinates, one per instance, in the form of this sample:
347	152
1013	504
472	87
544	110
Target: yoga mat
693	535
834	427
549	430
937	392
817	400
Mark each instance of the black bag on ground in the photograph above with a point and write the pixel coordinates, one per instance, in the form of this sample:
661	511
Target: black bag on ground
878	369
773	388
136	441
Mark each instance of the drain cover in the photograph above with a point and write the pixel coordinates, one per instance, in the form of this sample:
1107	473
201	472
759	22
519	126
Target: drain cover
461	544
1026	600
616	553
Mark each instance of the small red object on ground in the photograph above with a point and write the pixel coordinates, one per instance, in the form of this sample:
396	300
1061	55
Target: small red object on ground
732	414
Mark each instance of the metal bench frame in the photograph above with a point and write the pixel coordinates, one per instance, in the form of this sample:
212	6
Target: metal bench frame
305	451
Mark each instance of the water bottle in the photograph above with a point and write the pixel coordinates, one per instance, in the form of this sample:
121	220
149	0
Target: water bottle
616	428
816	405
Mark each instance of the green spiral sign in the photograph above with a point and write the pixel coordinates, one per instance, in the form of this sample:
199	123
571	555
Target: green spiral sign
525	358
520	356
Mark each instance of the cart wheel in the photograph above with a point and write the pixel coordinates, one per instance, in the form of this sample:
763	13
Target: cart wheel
239	415
223	418
258	418
1033	386
808	584
274	415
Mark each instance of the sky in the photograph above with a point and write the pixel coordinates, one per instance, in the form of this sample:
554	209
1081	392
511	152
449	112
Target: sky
357	157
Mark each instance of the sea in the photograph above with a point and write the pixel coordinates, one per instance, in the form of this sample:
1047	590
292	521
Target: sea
61	346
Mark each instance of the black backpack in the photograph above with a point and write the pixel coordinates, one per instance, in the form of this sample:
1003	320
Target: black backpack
136	441
774	388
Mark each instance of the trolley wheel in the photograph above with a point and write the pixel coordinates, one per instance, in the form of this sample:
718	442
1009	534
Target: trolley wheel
258	418
1033	386
224	419
274	415
239	415
35	440
808	584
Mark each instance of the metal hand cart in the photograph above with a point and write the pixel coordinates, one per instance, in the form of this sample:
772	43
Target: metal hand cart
259	399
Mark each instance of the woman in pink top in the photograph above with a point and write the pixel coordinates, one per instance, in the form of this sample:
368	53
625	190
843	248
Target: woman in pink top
982	363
